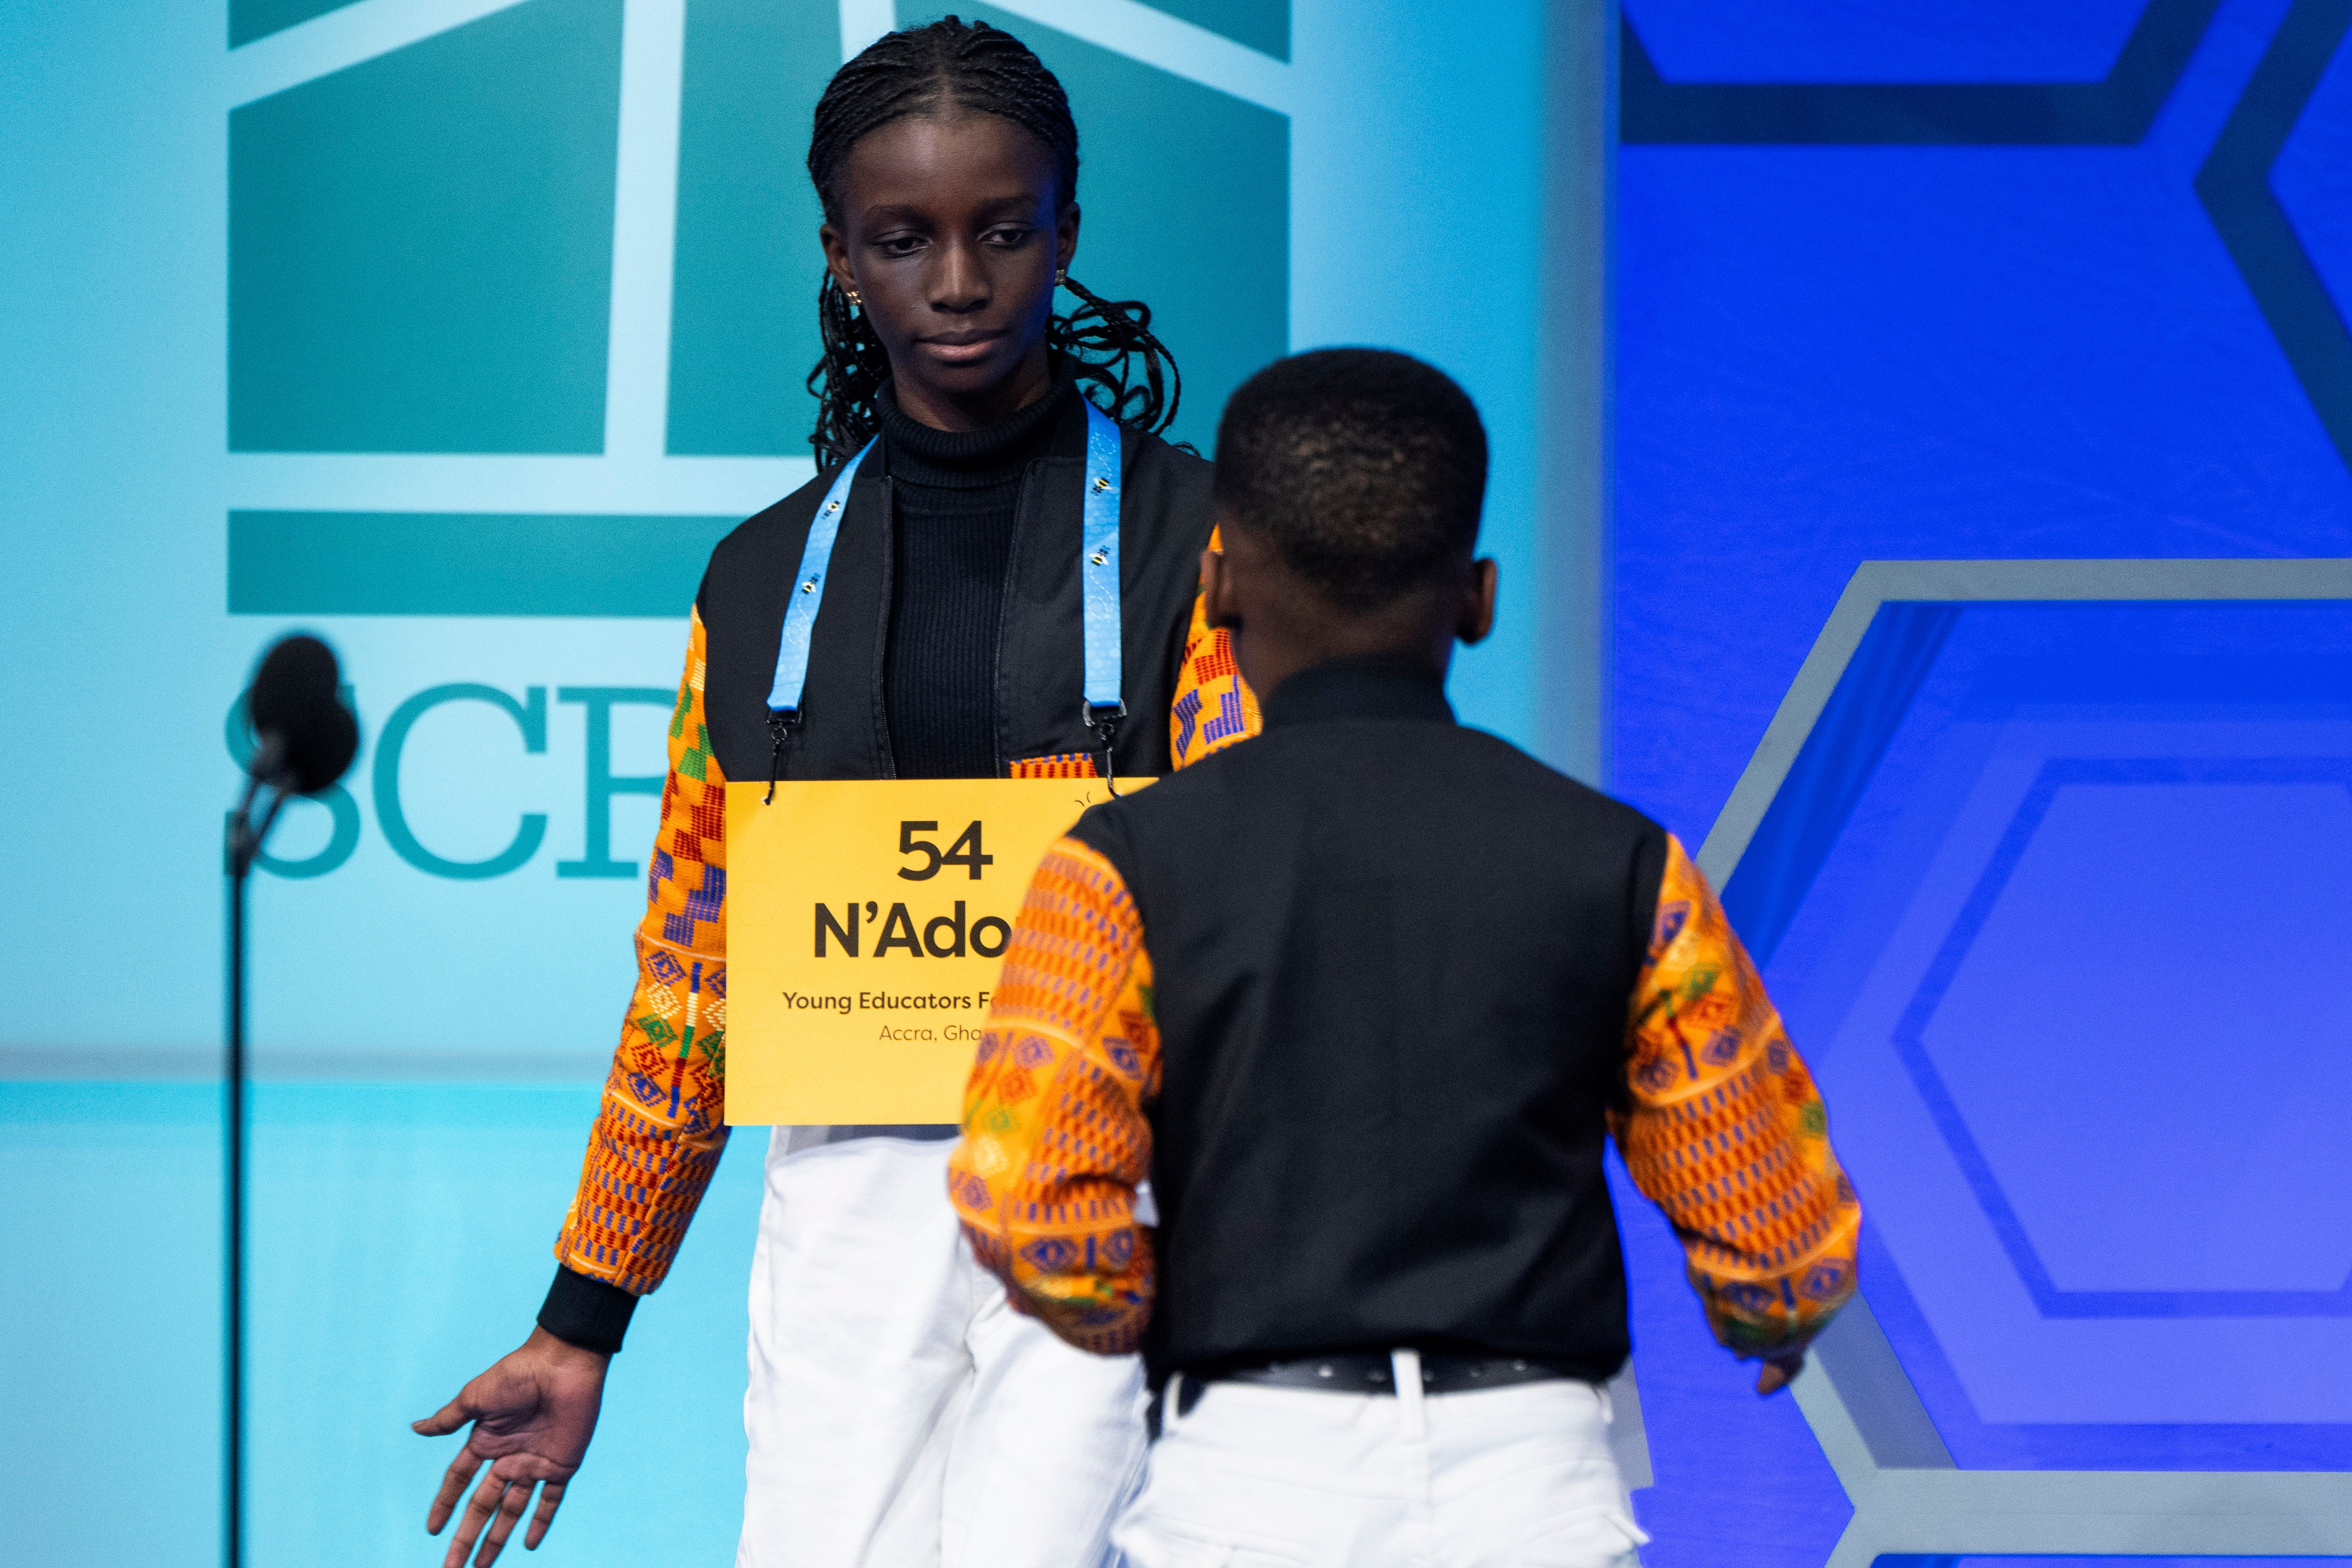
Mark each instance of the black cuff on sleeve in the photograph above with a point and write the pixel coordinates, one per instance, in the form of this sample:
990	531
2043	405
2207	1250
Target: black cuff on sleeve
586	1312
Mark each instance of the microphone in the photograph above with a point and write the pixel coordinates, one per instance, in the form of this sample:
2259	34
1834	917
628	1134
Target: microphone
304	741
307	737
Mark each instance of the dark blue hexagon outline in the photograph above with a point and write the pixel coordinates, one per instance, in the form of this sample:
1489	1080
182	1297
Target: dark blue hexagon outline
2232	183
1908	1039
2115	111
1875	1423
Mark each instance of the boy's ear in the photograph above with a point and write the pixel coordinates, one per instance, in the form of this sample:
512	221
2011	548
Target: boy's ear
1478	603
1219	604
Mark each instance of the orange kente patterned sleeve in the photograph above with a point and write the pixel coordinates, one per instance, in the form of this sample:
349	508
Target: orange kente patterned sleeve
1214	707
1054	1137
1725	1132
662	1125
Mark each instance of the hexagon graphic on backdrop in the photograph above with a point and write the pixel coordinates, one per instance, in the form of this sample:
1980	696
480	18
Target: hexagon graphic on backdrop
2193	847
1883	78
2053	894
1844	43
2308	177
2271	182
2272	186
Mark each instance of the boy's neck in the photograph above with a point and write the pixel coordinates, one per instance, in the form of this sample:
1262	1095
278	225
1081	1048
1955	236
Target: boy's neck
1408	636
1360	685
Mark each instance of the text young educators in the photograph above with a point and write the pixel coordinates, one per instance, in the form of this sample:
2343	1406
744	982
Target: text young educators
898	1412
1370	1052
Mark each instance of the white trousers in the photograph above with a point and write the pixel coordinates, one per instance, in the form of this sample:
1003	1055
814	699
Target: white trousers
1295	1478
900	1414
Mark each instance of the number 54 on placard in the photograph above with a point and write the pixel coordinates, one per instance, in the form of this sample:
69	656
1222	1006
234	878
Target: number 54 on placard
965	851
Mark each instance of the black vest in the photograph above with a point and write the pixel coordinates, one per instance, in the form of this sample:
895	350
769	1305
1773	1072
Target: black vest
1164	525
1393	961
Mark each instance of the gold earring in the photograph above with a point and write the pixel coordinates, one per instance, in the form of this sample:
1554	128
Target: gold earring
1061	276
854	301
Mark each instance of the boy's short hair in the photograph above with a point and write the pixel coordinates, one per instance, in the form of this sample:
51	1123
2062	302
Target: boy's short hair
1367	468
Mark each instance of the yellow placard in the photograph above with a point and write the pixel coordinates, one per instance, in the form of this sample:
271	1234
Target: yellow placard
866	922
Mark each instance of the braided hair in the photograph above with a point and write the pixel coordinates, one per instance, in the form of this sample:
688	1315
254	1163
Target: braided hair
969	66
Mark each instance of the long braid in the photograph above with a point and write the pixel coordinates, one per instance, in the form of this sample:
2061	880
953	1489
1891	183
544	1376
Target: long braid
1105	338
848	377
984	69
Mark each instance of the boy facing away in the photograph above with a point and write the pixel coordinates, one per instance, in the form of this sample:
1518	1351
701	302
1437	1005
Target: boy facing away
1364	998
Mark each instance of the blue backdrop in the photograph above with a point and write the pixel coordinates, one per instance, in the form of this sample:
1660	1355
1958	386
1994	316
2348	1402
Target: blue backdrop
2001	280
1911	322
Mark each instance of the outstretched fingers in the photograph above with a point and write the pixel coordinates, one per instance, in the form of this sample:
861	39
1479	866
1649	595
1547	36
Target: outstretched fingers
550	1495
452	1483
480	1509
511	1503
516	1475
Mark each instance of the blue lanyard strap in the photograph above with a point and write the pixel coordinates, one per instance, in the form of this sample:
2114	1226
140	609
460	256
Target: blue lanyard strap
1097	581
808	593
1098	568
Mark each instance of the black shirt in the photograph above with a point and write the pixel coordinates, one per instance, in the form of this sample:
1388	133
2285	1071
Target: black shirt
1392	958
958	493
1030	671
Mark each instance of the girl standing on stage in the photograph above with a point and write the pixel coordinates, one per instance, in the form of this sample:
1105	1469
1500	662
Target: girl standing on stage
898	1412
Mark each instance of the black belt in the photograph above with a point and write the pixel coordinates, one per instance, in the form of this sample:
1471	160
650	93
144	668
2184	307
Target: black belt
1365	1371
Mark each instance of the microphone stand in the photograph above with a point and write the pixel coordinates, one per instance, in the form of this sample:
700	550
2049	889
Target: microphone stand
266	770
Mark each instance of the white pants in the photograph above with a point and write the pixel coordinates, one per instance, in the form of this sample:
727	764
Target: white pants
1295	1478
900	1414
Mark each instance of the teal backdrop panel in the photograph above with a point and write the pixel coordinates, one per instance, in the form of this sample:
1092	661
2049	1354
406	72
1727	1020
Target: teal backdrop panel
420	247
294	309
1185	194
743	329
251	19
465	564
1262	25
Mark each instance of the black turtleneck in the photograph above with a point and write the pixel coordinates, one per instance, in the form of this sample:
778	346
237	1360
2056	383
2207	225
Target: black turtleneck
957	492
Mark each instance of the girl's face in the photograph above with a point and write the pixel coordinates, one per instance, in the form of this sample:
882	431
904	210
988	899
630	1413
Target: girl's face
951	234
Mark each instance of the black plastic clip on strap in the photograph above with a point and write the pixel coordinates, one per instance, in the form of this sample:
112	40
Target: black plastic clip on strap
1104	721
